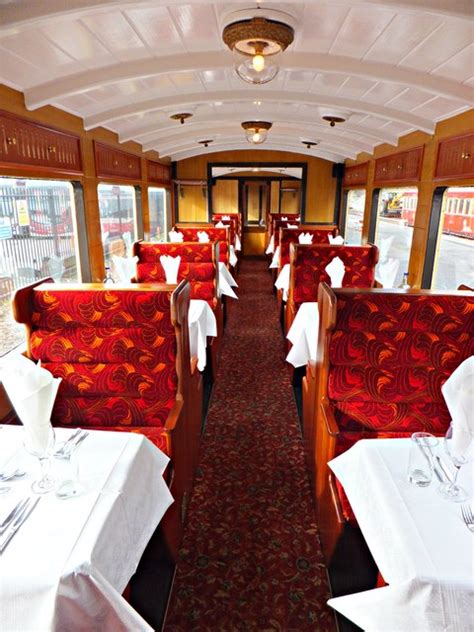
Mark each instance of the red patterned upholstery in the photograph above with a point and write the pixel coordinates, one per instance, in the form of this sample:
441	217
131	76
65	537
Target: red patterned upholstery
309	263
389	354
115	351
290	236
235	221
276	225
232	224
222	235
199	268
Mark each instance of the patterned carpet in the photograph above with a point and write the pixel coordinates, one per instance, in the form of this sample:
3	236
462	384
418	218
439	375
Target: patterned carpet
251	559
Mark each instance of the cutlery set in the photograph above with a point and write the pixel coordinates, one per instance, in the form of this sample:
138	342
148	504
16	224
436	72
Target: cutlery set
67	448
15	519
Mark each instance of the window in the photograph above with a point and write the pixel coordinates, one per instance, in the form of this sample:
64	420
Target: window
38	238
157	203
354	216
117	207
394	227
454	259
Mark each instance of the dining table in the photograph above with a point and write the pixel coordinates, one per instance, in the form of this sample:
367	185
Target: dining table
419	541
68	564
201	324
303	335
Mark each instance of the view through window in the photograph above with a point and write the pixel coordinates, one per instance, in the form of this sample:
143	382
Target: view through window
37	239
394	230
158	214
117	207
454	261
354	216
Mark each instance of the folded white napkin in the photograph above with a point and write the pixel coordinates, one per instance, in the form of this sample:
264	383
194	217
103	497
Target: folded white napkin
292	225
458	393
238	245
232	256
305	238
283	219
336	241
203	237
276	258
175	236
32	391
283	281
220	225
271	246
384	248
336	271
125	267
226	217
387	272
171	267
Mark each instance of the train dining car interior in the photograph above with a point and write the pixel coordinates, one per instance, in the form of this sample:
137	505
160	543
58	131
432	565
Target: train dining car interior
236	315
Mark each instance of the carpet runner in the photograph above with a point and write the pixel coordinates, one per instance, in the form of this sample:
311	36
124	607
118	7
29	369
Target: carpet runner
250	558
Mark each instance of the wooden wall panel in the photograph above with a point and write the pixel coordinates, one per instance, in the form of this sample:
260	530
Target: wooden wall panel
225	196
455	157
159	173
403	166
356	175
114	163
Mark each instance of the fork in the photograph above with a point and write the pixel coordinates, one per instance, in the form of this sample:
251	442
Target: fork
468	517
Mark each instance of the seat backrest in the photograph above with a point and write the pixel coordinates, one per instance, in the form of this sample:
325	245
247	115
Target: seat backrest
383	356
234	219
200	270
120	351
289	236
281	223
308	263
222	235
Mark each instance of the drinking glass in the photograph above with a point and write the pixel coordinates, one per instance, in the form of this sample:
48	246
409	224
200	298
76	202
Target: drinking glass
460	453
420	461
41	445
67	476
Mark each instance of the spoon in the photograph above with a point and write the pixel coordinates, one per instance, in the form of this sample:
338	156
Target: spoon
4	476
4	489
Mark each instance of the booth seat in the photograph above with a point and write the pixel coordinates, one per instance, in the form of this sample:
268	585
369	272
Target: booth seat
273	218
221	235
199	266
122	354
290	236
383	357
235	221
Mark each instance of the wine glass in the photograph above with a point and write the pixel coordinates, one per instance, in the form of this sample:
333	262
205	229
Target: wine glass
460	452
40	443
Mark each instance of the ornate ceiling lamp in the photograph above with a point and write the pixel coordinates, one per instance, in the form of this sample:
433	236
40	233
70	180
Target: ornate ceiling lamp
257	44
309	143
181	116
333	117
256	131
205	142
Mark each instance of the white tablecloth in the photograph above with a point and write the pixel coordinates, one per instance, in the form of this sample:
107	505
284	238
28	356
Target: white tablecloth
271	246
226	281
418	540
283	281
202	323
303	335
67	566
276	258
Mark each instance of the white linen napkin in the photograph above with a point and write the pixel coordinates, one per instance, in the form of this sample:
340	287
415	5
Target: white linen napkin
238	245
32	391
283	281
387	272
292	225
226	217
232	256
271	246
283	219
336	271
336	241
175	236
171	267
125	267
276	258
458	393
203	237
305	238
219	224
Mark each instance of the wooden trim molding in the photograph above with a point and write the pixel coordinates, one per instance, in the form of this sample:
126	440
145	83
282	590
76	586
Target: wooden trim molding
158	173
356	175
404	166
455	158
115	163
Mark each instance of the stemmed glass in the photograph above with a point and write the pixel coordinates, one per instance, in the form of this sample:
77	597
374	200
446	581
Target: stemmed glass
460	453
41	445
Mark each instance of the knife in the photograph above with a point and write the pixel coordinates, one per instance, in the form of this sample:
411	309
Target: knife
20	519
429	456
68	442
18	508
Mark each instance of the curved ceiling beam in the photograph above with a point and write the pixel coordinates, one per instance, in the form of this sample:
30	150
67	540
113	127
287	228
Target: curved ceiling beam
293	132
20	15
142	133
181	101
244	145
77	83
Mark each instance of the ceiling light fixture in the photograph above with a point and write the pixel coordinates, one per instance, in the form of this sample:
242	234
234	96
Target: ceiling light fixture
309	143
205	142
257	44
181	116
256	131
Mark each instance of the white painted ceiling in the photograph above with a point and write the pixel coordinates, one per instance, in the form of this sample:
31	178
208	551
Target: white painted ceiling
396	65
